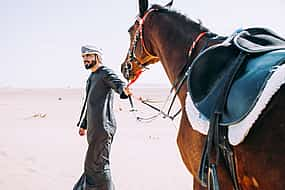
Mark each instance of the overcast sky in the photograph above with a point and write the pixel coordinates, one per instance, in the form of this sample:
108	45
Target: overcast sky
40	40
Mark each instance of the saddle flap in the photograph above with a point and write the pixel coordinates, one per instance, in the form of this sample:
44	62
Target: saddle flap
208	69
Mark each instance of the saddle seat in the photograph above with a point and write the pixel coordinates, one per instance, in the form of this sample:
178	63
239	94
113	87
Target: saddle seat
264	51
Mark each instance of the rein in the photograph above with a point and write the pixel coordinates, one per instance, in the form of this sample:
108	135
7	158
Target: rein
185	70
180	80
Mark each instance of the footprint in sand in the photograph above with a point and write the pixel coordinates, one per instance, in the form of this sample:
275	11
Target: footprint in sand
3	154
31	170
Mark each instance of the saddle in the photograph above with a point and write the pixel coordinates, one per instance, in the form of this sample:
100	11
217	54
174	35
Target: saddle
262	51
224	82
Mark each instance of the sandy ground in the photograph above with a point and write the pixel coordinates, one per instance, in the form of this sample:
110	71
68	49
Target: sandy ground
41	150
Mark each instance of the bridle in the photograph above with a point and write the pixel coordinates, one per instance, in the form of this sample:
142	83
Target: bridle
132	58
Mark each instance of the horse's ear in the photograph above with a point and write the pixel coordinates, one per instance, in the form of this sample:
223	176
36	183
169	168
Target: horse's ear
143	6
169	4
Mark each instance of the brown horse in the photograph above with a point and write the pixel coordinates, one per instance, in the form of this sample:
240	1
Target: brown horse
161	34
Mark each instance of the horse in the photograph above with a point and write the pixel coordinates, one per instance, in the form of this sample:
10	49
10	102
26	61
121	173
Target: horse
160	34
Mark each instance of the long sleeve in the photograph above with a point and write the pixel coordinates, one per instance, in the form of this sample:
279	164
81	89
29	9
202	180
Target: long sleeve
112	80
84	123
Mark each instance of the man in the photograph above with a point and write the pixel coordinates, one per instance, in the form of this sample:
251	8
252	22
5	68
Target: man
98	120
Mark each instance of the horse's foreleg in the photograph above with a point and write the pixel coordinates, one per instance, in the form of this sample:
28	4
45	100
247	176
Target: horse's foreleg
190	145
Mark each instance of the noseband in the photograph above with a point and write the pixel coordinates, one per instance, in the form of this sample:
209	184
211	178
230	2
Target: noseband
141	63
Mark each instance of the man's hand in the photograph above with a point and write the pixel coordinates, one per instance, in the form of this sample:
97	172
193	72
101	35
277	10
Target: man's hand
127	91
82	131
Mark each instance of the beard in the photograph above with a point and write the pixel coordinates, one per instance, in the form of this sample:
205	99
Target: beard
89	65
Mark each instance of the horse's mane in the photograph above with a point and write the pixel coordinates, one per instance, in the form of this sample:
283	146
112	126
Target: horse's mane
183	20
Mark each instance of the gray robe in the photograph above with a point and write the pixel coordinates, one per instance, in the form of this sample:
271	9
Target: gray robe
101	127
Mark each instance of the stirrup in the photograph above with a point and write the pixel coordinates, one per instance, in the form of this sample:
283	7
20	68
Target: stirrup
213	178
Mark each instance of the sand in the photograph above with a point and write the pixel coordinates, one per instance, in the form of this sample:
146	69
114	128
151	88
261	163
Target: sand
40	148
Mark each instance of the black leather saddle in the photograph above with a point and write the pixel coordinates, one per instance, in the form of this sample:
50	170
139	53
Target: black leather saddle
209	72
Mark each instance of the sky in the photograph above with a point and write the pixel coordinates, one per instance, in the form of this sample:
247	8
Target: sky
40	40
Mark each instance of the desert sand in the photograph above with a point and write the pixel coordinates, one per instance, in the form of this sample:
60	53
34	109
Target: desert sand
40	148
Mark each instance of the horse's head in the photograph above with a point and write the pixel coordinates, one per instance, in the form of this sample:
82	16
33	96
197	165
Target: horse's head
140	53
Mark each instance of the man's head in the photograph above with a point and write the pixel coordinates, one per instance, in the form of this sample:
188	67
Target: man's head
91	56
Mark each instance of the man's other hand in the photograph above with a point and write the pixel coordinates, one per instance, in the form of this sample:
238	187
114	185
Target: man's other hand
82	131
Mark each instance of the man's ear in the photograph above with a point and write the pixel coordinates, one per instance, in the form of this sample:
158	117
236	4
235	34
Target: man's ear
98	59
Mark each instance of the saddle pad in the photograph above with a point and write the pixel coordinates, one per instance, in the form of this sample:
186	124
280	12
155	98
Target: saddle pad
244	92
238	131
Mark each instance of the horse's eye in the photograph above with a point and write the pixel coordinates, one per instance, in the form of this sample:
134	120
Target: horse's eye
130	29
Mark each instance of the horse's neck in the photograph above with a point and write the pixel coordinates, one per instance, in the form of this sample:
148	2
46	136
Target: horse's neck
173	54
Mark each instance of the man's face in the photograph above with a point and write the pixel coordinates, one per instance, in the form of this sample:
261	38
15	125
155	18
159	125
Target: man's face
89	60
